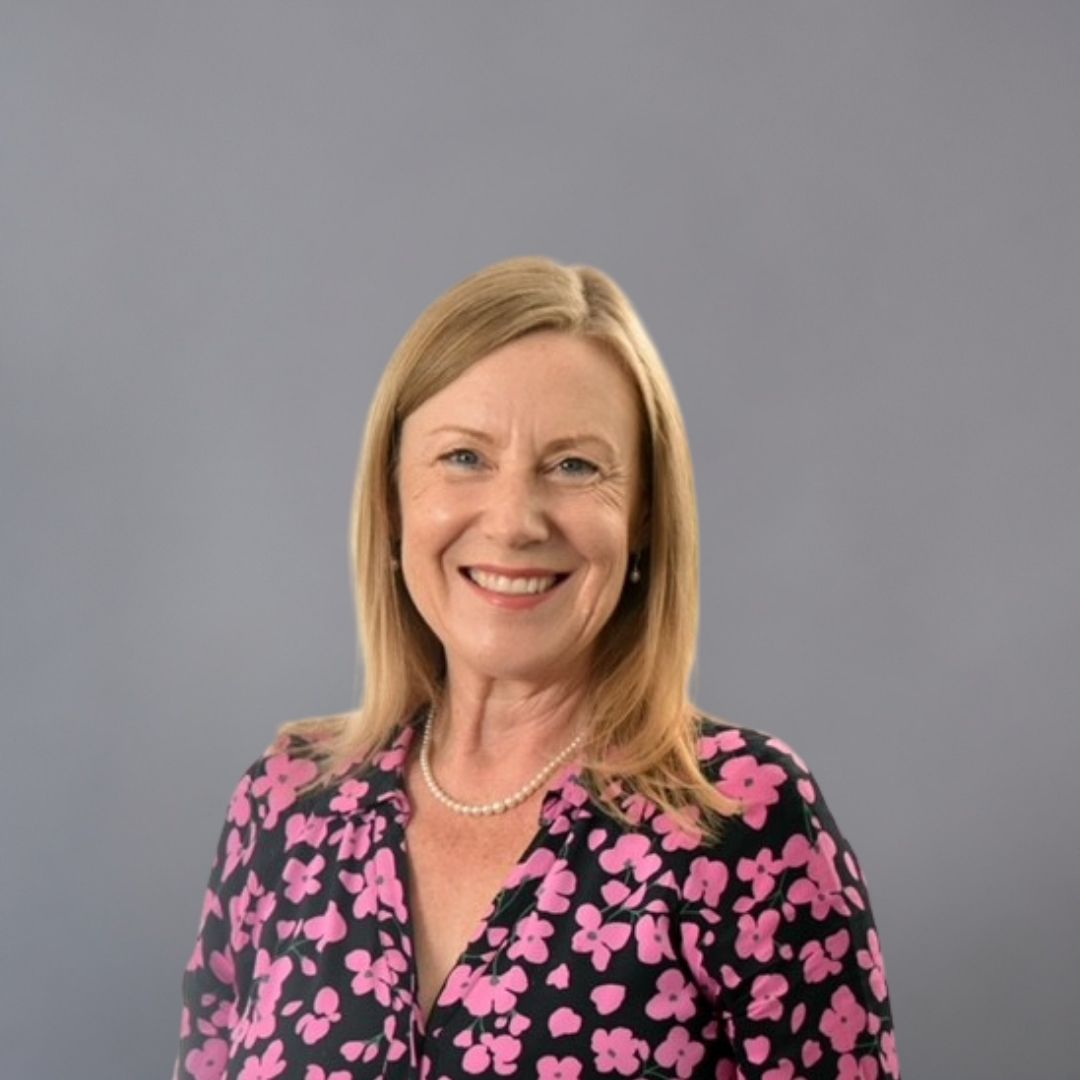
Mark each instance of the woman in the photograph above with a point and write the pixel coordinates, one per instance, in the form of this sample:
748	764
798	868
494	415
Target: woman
528	852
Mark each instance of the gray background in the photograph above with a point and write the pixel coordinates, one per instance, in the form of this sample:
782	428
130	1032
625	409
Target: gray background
852	230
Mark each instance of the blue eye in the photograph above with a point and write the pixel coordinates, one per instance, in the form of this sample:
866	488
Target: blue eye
575	466
466	458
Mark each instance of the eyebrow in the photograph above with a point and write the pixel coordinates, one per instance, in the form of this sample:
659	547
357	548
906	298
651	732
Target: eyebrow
457	429
566	442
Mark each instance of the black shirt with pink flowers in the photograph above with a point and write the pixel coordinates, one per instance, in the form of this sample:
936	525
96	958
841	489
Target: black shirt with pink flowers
614	949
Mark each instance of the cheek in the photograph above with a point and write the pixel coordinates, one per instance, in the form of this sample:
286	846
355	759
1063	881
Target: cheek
434	522
427	510
600	533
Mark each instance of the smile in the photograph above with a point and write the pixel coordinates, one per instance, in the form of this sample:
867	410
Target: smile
516	585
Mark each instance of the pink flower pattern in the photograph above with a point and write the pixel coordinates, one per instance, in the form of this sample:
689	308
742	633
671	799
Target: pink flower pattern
871	959
680	1052
596	938
754	784
313	1026
618	1051
844	1021
550	1067
530	939
613	950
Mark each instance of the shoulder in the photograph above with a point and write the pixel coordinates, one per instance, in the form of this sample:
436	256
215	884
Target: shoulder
261	800
726	751
273	781
719	741
281	797
304	774
784	826
765	776
767	792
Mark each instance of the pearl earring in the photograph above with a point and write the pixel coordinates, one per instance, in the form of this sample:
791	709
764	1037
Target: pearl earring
635	569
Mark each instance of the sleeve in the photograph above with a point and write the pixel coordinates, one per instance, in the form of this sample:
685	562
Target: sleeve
796	956
211	982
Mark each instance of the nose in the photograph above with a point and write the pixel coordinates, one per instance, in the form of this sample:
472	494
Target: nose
515	513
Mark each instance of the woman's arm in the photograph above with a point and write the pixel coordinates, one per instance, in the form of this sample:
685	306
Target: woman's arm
795	954
210	981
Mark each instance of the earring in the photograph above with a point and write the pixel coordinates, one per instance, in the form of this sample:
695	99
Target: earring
635	569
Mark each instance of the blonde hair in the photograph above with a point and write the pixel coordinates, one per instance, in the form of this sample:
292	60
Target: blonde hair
640	711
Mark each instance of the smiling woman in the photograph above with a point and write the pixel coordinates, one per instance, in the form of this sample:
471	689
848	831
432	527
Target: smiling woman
514	543
528	851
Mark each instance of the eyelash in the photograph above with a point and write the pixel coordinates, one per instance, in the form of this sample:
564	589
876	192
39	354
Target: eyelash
453	457
592	469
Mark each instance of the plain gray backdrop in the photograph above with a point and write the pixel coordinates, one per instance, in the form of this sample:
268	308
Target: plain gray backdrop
852	230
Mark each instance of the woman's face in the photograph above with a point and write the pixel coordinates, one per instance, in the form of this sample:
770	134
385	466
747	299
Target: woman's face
517	486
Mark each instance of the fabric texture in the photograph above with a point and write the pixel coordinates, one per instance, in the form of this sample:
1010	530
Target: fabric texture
615	951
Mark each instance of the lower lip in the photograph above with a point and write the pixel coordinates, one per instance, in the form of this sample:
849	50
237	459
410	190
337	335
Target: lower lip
513	601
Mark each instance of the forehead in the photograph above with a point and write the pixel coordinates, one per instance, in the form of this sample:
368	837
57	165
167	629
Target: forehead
553	384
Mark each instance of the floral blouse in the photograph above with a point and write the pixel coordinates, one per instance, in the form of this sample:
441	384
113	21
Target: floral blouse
611	950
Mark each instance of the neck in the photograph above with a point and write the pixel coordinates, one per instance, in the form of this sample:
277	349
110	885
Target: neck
489	736
507	801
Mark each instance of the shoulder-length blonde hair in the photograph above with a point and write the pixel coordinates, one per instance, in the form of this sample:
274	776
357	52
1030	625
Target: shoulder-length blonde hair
641	715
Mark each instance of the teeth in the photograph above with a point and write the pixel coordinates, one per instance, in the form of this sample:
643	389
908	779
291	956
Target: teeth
513	586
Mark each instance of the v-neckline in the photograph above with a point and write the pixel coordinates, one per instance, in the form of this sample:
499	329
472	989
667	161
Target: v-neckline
497	909
494	910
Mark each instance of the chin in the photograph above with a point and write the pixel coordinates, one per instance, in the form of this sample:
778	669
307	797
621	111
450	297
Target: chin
514	667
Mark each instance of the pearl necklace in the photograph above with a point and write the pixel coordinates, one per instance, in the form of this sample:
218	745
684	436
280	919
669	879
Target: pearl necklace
499	806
